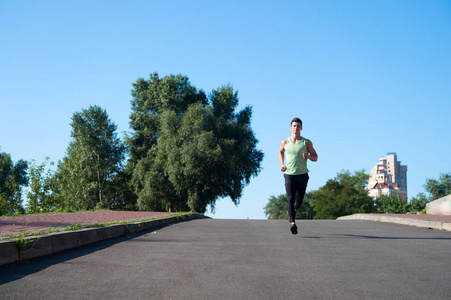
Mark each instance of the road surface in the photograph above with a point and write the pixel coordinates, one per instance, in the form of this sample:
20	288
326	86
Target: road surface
245	259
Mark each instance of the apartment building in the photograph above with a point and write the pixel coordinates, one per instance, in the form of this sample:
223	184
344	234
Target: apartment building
388	177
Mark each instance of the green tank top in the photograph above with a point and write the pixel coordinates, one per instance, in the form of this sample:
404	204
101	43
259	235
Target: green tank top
295	164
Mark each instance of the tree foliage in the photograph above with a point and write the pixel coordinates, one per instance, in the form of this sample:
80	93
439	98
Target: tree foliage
94	157
13	176
392	204
43	195
123	195
277	208
435	189
439	188
188	149
343	195
418	203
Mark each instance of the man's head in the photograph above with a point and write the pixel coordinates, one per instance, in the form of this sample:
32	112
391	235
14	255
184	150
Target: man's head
297	120
296	125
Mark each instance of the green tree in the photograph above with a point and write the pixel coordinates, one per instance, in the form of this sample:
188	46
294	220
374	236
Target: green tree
277	208
123	195
359	179
435	189
187	150
86	175
439	188
392	204
41	197
150	98
418	203
343	195
13	176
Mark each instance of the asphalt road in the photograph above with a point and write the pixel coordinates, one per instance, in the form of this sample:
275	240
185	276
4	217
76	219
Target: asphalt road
245	259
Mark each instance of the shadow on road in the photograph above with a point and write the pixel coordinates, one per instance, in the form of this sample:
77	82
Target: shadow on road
358	236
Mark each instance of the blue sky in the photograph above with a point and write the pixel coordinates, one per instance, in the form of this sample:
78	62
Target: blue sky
366	77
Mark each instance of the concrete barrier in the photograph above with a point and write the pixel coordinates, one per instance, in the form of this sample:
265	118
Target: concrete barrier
87	236
441	206
64	240
35	247
9	252
433	224
446	226
31	247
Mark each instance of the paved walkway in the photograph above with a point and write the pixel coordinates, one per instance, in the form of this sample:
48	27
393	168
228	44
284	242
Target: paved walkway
43	221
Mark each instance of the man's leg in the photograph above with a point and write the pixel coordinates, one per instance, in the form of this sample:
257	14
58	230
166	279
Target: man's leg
291	192
301	186
297	202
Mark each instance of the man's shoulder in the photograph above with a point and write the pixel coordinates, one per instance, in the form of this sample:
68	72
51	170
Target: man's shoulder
308	142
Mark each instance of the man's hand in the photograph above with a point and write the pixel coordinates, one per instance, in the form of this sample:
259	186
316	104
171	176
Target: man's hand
283	169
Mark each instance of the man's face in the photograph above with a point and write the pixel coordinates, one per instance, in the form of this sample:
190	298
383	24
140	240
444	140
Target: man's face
296	127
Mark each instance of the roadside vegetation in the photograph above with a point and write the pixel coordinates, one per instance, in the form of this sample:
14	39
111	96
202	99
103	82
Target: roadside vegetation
346	194
185	150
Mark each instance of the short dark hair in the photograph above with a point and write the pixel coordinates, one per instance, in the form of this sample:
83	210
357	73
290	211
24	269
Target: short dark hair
297	120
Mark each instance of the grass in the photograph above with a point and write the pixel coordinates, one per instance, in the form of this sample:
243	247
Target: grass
23	238
73	227
178	217
97	225
27	233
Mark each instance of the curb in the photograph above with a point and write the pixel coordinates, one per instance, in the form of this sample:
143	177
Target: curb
32	247
432	224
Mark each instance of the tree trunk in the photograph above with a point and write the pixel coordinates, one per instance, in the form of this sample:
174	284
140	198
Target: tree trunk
99	182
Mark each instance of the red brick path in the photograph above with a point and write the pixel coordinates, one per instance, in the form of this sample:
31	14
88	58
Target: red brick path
42	222
34	222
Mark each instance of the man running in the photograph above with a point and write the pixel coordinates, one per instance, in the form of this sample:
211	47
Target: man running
298	149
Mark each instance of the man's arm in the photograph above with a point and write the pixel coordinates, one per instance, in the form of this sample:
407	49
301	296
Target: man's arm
312	155
281	155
